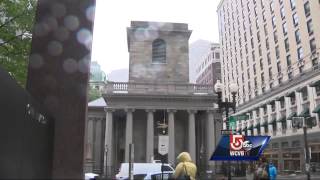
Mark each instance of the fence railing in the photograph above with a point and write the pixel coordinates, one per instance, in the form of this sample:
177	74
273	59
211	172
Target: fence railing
154	88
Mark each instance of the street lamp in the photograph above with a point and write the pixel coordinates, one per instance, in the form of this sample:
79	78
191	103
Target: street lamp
297	122
233	87
106	168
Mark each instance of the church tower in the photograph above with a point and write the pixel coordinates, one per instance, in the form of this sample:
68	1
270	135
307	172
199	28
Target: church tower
158	52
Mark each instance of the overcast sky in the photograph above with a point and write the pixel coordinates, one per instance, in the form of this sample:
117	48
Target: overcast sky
113	16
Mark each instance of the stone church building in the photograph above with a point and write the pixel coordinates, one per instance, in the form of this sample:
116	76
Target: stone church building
157	100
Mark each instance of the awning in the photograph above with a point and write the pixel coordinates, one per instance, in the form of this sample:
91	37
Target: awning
317	109
244	129
293	114
282	119
265	123
290	94
305	113
257	125
315	83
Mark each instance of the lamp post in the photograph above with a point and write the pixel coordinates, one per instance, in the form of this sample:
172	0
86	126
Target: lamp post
106	168
297	122
218	87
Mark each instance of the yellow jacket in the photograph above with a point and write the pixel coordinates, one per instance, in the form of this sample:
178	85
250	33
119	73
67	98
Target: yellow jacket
185	164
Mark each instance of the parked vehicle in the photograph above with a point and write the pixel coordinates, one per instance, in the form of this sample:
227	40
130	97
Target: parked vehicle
142	170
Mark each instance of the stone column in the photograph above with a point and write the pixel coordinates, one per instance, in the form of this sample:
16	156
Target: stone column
129	134
192	134
150	135
171	153
213	135
108	148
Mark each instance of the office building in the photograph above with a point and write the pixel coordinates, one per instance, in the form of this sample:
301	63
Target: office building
270	48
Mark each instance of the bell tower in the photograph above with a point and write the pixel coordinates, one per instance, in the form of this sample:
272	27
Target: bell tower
158	52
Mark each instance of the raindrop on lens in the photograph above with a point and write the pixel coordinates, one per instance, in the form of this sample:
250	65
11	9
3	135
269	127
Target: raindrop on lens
61	33
71	22
36	61
70	65
55	48
90	13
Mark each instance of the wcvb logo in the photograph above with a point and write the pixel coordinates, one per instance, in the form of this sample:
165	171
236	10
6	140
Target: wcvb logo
239	146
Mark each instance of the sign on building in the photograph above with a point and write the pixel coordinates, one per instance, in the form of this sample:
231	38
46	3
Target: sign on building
163	145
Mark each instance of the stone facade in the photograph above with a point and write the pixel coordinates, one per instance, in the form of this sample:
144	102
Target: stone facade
140	37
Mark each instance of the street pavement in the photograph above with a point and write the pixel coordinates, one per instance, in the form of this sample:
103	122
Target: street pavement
279	177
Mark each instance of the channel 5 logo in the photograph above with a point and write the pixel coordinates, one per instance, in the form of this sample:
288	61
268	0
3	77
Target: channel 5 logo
239	147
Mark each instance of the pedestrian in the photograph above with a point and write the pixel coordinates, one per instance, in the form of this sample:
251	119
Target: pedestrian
185	169
272	171
262	170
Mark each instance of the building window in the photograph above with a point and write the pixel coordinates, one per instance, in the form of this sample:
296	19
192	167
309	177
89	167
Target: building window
272	6
295	19
284	144
245	36
282	12
261	64
286	44
290	75
297	35
293	100
310	28
260	52
293	4
300	53
289	60
158	51
313	45
270	74
268	58
265	29
307	9
262	78
318	90
277	52
304	94
257	23
267	44
275	37
284	28
254	69
252	44
253	56
279	67
273	21
217	55
258	36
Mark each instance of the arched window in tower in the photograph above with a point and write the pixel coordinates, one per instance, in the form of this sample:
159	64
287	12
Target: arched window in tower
158	51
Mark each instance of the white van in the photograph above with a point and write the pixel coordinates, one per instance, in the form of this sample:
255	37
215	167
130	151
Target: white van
141	170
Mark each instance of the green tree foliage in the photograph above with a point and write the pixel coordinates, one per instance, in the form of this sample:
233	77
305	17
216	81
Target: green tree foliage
16	23
94	94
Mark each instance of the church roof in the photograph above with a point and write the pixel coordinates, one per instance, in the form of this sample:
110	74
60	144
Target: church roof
97	103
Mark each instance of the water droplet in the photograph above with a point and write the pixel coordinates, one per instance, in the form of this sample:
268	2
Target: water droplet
55	48
71	22
61	33
84	64
51	22
41	29
58	10
70	65
36	61
84	36
90	11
